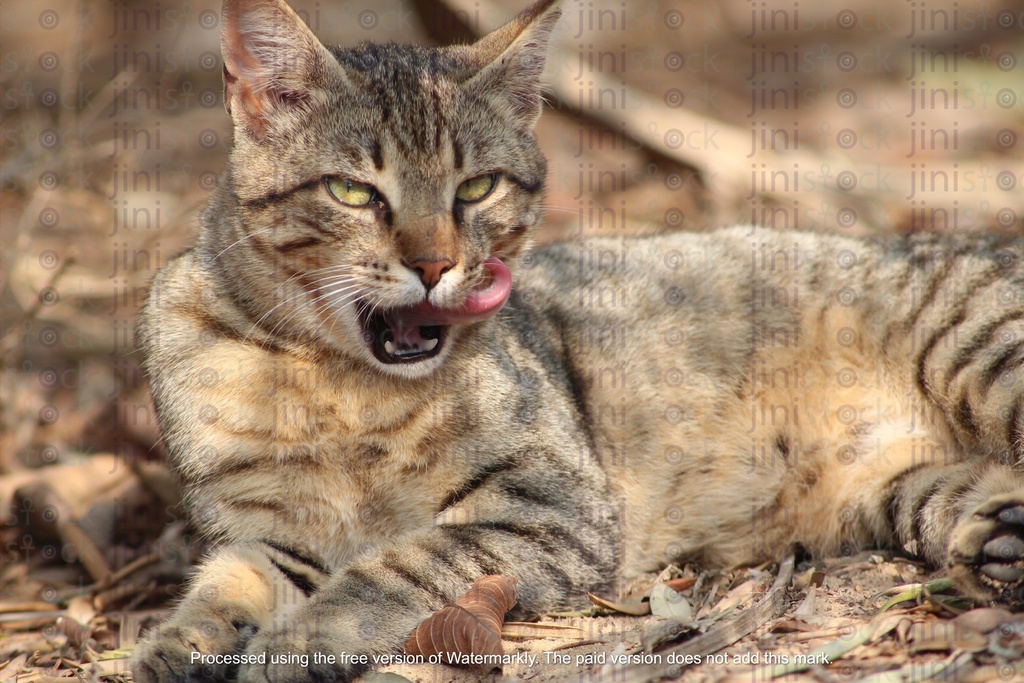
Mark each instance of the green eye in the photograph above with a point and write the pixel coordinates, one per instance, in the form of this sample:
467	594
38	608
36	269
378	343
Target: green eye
475	189
350	192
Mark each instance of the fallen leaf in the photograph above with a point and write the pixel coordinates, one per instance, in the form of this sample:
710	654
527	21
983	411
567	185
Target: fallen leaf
811	577
939	635
682	583
519	629
637	604
741	593
668	604
472	626
1008	639
636	607
984	619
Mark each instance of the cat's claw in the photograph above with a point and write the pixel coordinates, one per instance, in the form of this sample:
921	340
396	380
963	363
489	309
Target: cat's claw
986	553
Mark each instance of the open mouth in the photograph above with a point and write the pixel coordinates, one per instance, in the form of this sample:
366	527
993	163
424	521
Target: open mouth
411	334
393	341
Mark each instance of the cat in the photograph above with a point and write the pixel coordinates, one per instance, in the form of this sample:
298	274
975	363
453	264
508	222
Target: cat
374	393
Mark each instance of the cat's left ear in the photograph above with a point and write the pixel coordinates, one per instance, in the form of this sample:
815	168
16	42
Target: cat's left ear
273	64
510	60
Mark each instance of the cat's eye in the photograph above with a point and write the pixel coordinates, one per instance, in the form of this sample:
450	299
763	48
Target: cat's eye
350	192
475	189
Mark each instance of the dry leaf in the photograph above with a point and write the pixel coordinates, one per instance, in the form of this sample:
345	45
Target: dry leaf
943	636
471	626
523	630
1007	640
741	593
681	584
811	577
636	607
637	604
669	604
984	619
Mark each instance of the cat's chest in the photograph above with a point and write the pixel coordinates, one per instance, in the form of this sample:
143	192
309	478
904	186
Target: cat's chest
378	466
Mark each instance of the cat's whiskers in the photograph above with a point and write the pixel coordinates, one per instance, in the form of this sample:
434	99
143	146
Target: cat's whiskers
267	314
345	285
331	299
302	292
346	300
361	305
564	209
248	235
341	268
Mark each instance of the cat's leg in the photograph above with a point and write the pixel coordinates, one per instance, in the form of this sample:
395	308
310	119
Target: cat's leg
369	608
966	329
968	516
235	593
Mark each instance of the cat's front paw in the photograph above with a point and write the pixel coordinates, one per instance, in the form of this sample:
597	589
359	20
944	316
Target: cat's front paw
296	655
183	652
986	552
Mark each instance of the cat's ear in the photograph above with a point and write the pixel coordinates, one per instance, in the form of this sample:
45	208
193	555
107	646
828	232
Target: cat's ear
272	63
510	60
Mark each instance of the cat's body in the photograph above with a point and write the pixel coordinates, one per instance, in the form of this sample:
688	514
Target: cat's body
634	402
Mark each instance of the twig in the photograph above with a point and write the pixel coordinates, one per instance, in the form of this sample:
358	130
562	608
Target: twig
70	531
32	615
11	338
9	607
126	571
134	593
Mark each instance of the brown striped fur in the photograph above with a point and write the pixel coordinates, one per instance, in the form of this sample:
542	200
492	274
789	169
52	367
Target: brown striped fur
714	397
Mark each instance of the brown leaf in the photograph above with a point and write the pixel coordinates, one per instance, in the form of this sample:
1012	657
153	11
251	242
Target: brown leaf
681	584
636	608
984	619
471	626
942	636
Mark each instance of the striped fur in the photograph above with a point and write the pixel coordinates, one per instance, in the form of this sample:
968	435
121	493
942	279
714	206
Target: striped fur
714	397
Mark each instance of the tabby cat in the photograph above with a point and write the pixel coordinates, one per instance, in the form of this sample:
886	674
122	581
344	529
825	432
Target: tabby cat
367	415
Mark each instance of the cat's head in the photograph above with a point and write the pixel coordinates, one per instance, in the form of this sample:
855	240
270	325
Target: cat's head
378	193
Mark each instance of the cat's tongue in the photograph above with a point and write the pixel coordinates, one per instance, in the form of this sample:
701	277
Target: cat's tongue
480	305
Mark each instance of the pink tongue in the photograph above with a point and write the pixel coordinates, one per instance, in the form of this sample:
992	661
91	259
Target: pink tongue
480	305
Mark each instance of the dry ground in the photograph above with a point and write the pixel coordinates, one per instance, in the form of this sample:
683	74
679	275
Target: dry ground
855	117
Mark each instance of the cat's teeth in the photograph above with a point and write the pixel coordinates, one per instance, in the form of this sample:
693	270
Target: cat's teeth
389	347
429	344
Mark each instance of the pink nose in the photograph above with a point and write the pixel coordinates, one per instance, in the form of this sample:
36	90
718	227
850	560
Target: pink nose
431	270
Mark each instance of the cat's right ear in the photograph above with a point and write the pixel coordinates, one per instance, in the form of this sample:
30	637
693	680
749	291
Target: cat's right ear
510	61
273	64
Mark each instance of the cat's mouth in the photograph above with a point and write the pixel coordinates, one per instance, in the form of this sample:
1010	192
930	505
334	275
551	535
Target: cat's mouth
411	334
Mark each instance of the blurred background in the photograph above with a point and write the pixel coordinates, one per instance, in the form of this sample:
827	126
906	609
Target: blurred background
856	116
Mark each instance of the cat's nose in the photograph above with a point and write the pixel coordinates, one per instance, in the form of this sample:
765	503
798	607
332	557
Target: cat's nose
430	270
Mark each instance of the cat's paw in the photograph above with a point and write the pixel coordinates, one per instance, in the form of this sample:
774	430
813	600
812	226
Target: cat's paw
986	552
297	656
184	651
